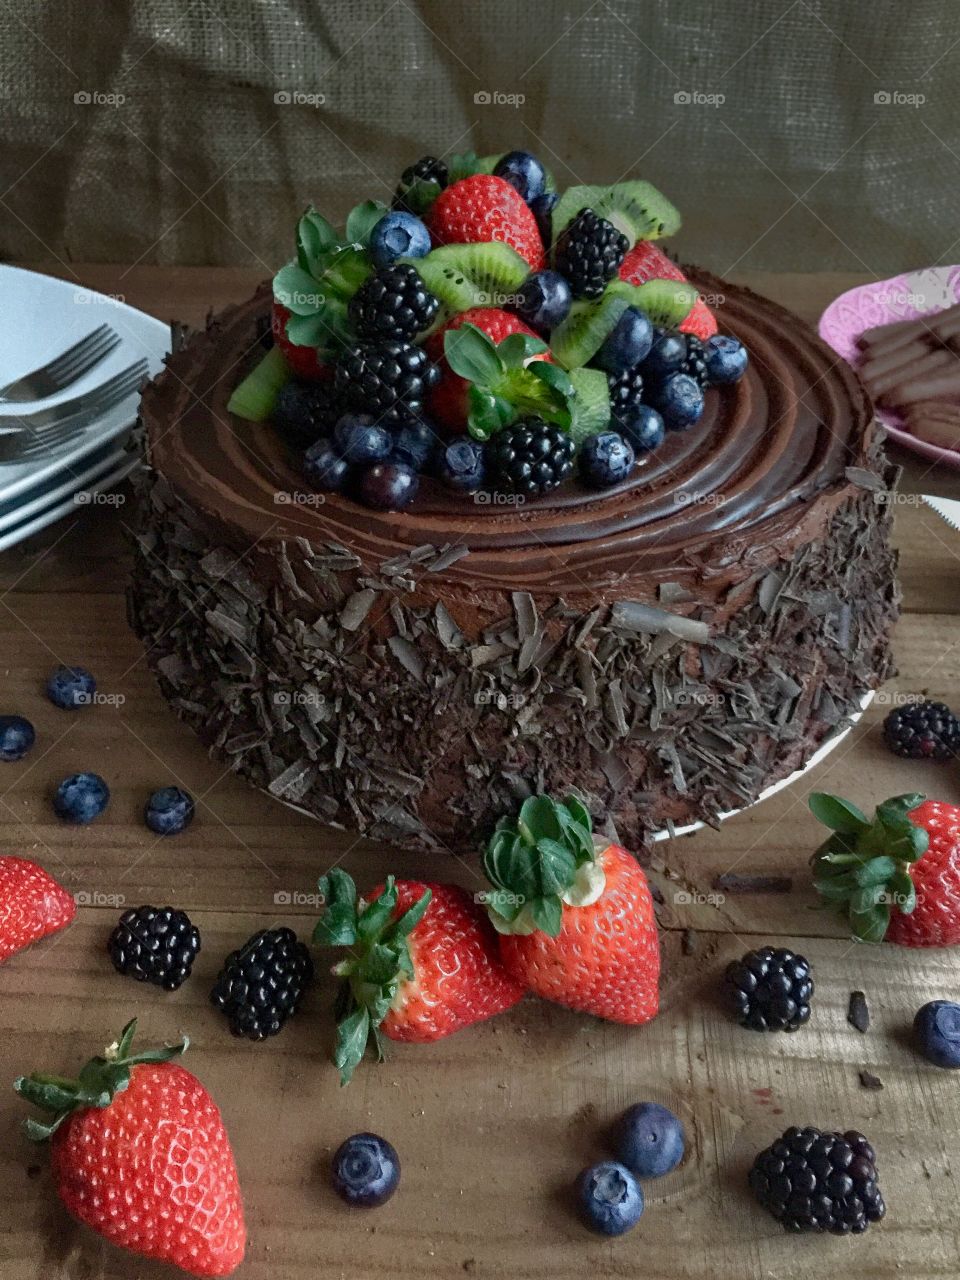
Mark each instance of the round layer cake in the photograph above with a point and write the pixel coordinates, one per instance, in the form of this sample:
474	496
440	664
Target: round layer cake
667	649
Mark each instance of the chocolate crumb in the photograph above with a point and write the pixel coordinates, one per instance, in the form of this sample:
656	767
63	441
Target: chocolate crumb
730	882
870	1081
858	1015
690	942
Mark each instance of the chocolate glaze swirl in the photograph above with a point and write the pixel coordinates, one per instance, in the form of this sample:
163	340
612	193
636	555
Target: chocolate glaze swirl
746	476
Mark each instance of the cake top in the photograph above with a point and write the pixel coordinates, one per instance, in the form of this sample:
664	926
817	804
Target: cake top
486	341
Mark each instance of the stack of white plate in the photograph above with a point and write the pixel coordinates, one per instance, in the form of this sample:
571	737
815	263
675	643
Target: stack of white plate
40	317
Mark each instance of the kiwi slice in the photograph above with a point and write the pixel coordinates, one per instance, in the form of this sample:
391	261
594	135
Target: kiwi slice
581	335
471	275
635	208
255	396
590	406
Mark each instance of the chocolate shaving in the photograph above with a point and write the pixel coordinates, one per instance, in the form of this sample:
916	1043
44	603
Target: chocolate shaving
869	1081
354	612
629	615
731	882
858	1015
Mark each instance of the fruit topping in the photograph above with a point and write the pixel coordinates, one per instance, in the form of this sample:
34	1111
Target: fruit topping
695	362
649	1140
589	252
636	209
420	184
482	208
642	427
679	401
813	1181
71	687
609	1198
627	344
530	458
605	460
17	736
524	172
542	208
936	1032
32	905
398	235
81	797
726	360
462	464
156	945
770	989
366	1170
324	468
255	398
387	379
389	486
261	985
393	303
169	811
304	412
544	300
923	731
359	439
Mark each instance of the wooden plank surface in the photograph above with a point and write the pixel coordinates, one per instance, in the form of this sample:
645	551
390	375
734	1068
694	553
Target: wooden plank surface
492	1124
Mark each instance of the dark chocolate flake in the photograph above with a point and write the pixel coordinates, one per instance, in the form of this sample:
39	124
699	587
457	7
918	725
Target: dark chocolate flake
858	1014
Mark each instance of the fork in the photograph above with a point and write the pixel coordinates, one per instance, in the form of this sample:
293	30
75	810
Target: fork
64	369
22	446
90	403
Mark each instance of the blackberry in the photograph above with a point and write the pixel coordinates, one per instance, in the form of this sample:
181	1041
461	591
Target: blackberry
589	253
770	989
387	379
923	731
695	361
393	303
813	1181
156	945
531	457
626	391
426	169
304	412
261	985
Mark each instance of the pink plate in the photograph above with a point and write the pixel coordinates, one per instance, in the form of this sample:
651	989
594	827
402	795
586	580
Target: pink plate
906	297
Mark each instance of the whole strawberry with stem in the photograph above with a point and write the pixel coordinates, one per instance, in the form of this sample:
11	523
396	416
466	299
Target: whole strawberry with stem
897	877
422	963
32	905
574	913
481	208
139	1153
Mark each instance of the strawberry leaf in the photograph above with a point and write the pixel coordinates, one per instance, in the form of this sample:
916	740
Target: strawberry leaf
517	348
352	1035
298	290
552	376
836	813
547	915
487	413
472	354
361	220
315	238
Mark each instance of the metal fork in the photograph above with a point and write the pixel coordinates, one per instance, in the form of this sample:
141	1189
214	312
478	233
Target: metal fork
87	405
64	369
24	446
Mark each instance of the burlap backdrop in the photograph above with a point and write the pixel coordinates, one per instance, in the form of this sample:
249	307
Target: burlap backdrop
792	135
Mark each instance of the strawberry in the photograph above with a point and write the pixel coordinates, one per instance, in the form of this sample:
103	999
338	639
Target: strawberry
139	1153
646	261
423	963
475	210
447	402
32	905
574	913
896	878
304	361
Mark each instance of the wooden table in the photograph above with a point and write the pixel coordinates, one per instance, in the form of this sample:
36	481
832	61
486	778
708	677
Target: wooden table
492	1124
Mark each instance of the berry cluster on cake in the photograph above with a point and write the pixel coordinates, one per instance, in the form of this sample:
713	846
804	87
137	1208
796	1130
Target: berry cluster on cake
506	507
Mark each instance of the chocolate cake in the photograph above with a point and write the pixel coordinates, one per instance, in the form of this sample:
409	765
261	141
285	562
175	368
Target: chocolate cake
667	648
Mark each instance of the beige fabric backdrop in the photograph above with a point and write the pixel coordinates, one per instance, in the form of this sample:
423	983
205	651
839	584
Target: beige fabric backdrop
803	134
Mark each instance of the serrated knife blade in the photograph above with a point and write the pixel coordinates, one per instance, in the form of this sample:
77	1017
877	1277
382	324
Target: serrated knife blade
947	508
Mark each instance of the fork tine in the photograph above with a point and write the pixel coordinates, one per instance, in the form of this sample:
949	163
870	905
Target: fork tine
60	362
91	354
87	405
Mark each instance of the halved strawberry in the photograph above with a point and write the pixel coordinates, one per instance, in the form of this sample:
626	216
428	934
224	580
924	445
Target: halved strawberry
32	905
646	261
475	210
303	361
447	402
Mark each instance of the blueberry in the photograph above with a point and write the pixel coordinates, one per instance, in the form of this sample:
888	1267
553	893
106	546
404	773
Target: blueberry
936	1029
71	687
649	1140
642	427
169	811
523	171
81	798
667	354
610	1198
542	208
359	439
679	399
398	235
726	360
462	464
414	443
324	468
605	460
16	737
544	300
628	343
366	1170
388	486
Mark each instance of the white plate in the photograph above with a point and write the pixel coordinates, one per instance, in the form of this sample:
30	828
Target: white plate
68	506
39	318
85	477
